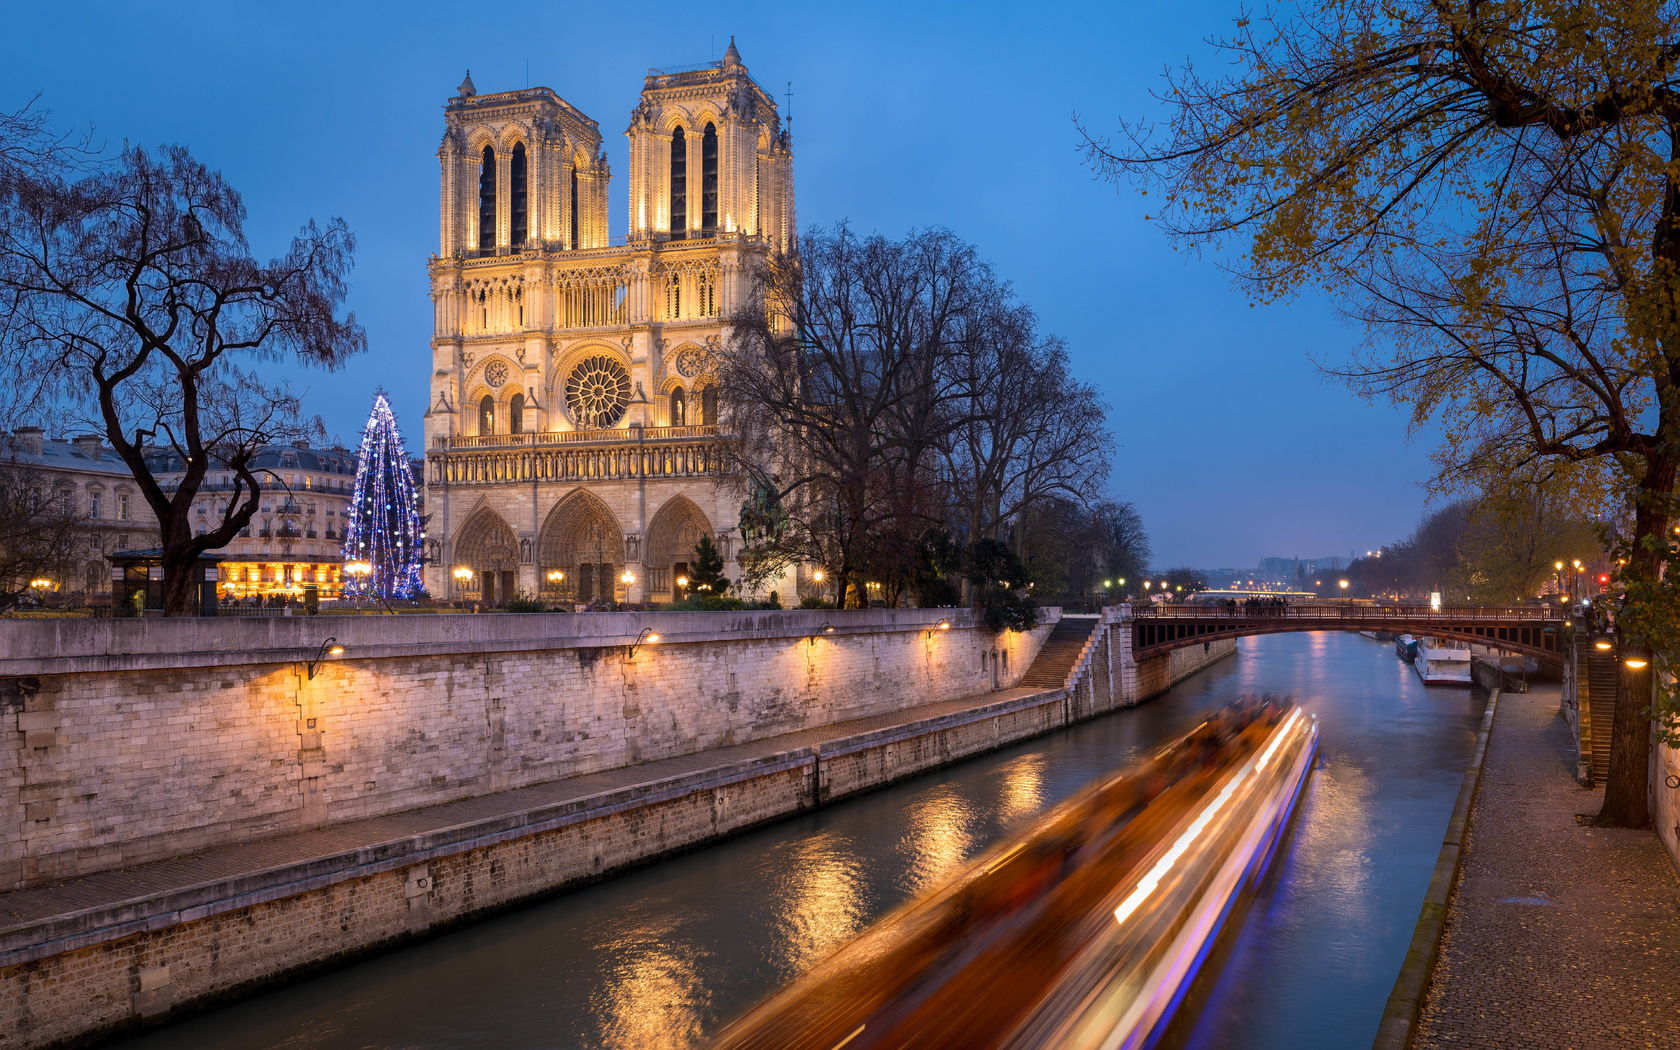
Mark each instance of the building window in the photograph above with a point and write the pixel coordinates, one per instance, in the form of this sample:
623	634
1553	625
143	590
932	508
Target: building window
574	210
679	185
516	193
516	414
679	408
487	415
708	405
487	200
673	298
122	508
94	506
706	287
708	180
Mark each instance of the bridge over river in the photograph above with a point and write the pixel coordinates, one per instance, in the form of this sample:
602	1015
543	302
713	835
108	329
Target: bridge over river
1530	630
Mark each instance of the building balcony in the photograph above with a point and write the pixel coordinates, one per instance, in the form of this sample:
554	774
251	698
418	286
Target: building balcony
580	455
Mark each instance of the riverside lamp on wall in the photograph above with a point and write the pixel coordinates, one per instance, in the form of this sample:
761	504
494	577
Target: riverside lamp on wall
824	628
647	637
330	647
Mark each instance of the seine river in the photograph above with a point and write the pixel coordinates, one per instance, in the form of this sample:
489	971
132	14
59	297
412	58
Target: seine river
663	957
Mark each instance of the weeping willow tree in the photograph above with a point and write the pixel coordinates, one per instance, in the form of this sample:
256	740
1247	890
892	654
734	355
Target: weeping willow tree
1493	191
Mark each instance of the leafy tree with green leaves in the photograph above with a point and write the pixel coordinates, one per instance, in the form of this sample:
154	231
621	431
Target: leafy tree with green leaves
1492	189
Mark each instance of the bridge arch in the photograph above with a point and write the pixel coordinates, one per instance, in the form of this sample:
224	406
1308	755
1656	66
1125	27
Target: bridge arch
1515	629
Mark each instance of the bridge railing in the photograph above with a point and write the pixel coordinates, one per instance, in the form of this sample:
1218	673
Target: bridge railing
1344	611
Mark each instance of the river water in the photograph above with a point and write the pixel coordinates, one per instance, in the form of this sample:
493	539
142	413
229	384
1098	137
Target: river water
663	957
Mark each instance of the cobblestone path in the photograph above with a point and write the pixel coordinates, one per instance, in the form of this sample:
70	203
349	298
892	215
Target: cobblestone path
1558	936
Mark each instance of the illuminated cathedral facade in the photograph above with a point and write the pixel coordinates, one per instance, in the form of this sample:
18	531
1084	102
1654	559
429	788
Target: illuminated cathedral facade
572	445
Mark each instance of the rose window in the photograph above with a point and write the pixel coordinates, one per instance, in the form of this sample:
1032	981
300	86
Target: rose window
495	373
692	362
597	392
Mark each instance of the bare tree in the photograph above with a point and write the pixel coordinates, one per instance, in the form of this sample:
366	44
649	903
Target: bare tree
39	530
832	385
134	293
1495	195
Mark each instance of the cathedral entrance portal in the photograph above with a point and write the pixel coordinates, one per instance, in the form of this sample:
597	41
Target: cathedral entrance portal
672	536
488	547
580	550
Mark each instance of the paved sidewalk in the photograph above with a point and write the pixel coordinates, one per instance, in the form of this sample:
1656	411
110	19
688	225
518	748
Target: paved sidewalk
227	862
1557	935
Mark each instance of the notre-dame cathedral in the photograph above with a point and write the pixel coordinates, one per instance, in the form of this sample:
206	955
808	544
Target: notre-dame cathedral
572	446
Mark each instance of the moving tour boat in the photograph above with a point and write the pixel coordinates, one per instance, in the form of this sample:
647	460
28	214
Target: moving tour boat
1085	931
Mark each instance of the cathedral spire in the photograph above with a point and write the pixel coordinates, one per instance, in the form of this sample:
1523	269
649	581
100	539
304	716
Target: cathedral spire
466	90
731	57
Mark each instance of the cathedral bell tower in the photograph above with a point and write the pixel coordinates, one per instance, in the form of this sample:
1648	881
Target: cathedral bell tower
521	170
710	156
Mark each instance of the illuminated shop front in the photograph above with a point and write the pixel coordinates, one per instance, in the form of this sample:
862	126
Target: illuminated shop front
258	576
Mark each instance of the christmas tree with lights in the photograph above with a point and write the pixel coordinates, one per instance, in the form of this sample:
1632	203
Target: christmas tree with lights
383	541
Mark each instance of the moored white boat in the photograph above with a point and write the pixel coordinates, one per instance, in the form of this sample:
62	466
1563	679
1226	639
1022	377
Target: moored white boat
1442	663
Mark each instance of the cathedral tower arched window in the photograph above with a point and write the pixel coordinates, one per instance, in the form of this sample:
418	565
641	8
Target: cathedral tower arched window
516	414
708	405
487	415
574	210
679	408
518	197
709	179
487	200
679	185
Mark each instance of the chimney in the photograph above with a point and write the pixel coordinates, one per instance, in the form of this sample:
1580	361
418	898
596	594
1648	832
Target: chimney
31	438
300	443
89	446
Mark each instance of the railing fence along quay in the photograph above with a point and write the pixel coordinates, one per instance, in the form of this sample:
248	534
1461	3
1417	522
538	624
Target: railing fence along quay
1338	610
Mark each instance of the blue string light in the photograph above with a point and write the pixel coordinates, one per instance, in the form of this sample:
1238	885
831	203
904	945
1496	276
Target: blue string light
389	542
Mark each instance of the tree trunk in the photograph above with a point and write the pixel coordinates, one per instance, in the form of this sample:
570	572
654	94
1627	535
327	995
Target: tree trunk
1627	783
1627	786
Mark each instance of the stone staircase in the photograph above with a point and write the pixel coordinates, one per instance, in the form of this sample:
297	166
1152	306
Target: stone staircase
1055	659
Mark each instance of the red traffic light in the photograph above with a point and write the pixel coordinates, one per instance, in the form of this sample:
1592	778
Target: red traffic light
1603	578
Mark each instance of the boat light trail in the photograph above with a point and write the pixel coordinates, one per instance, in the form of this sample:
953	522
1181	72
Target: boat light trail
1164	865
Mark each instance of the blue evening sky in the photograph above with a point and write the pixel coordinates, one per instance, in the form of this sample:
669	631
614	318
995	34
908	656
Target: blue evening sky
905	115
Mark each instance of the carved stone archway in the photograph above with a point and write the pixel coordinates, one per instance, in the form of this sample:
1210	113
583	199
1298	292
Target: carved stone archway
582	540
671	538
488	546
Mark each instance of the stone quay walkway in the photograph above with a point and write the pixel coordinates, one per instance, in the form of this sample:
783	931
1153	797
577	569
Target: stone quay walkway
1558	935
226	863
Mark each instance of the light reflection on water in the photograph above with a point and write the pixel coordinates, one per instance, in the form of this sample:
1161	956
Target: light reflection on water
821	901
662	957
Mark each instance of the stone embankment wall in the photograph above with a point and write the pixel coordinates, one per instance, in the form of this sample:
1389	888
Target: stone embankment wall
183	717
143	739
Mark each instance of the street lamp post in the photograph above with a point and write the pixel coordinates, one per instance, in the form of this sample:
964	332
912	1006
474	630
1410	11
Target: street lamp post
463	576
1343	584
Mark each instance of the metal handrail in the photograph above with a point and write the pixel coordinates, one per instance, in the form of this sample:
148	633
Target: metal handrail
1340	611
